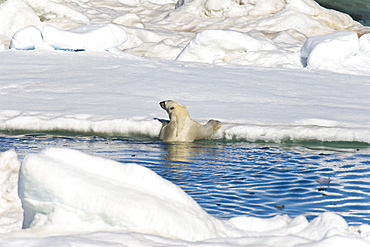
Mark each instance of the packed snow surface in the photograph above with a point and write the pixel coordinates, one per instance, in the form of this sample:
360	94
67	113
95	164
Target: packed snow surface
273	71
119	94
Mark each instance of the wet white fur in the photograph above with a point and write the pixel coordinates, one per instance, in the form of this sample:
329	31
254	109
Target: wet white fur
181	128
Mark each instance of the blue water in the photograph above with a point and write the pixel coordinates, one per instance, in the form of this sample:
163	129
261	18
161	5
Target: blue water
238	178
359	10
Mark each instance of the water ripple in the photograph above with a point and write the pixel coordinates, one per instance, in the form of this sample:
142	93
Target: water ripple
231	179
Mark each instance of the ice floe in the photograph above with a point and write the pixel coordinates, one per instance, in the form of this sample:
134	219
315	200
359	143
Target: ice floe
84	199
97	37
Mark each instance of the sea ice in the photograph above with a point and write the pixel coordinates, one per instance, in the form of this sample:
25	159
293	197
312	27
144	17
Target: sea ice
81	197
15	15
212	45
96	37
329	51
186	31
26	39
365	42
60	182
57	14
10	204
67	191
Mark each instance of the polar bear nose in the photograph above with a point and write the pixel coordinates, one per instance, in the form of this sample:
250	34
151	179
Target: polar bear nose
163	104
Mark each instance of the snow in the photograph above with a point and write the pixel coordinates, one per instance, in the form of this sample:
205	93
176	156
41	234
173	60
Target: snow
10	215
131	197
261	105
11	20
97	37
365	42
272	71
87	199
26	39
326	51
211	45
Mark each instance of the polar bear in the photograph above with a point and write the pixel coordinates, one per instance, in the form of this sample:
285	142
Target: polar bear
181	128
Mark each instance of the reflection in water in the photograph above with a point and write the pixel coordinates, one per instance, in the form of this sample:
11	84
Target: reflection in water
178	151
187	151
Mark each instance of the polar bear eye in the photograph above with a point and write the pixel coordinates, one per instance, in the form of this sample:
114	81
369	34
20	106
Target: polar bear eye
171	108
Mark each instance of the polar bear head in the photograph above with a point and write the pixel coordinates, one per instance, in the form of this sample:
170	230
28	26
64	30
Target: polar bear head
174	109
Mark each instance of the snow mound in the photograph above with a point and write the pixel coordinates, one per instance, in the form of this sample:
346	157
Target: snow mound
96	37
230	8
329	50
10	205
304	16
365	42
15	15
57	14
9	167
18	14
26	39
324	225
212	45
61	187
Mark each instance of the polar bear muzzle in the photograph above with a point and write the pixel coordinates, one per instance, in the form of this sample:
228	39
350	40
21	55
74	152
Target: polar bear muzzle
163	104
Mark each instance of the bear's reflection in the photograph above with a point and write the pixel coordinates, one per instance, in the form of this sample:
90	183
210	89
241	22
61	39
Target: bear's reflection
185	151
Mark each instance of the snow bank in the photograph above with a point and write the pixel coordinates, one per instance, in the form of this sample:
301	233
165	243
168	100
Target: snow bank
26	39
80	123
365	42
329	51
67	188
211	45
284	25
97	37
304	16
308	130
10	204
198	30
295	133
57	14
325	230
15	15
18	14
